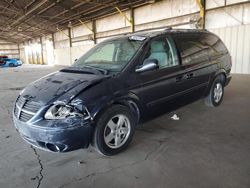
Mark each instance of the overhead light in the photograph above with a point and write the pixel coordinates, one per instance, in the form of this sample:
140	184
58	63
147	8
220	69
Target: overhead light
70	25
19	29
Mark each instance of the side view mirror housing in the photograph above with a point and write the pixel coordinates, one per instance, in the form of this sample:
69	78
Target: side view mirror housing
148	64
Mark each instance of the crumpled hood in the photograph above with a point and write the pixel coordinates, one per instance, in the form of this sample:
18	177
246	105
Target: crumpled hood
62	86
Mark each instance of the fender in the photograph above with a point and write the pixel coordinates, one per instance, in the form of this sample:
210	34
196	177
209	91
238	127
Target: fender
131	100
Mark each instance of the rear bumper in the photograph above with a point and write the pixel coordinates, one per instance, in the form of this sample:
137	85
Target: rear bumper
56	139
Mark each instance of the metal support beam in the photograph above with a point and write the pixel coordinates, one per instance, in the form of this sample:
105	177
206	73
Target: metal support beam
202	7
70	39
131	21
94	31
18	46
42	58
53	40
28	12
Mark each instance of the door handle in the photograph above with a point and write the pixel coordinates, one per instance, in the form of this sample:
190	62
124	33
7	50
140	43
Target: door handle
190	75
179	78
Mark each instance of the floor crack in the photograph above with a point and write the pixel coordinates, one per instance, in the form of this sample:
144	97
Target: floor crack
40	177
158	148
99	173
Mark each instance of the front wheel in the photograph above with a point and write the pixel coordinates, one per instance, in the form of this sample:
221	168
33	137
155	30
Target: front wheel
114	130
216	93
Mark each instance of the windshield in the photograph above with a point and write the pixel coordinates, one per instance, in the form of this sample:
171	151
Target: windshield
109	55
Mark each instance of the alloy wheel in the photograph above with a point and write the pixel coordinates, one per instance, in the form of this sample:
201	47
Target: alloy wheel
117	131
218	91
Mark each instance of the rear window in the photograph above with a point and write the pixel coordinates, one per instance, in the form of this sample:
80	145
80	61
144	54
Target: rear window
199	47
215	44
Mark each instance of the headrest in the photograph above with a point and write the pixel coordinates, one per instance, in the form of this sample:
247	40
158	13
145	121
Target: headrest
157	46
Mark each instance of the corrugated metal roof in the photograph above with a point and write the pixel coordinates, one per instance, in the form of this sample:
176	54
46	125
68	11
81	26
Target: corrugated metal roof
21	20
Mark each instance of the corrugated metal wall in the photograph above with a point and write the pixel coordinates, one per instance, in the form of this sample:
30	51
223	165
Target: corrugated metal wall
230	22
237	40
232	25
9	49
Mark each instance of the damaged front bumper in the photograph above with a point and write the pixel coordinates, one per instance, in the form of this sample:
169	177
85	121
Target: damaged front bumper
56	135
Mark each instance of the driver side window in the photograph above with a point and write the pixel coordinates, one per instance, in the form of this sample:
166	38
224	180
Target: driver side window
164	51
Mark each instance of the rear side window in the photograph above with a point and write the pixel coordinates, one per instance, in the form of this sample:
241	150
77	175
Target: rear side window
199	47
216	46
192	50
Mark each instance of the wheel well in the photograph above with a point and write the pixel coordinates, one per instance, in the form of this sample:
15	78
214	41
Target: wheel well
223	77
127	103
132	106
220	74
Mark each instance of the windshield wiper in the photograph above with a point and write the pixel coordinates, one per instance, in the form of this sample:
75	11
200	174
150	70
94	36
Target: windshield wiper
103	71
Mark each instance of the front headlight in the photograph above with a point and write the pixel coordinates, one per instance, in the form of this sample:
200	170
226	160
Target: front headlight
62	111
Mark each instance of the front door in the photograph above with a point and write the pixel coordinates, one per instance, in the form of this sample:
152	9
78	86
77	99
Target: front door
159	86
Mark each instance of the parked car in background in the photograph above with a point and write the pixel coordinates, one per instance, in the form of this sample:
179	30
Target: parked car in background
9	62
102	97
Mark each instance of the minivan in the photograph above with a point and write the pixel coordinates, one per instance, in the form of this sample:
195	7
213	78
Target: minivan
102	97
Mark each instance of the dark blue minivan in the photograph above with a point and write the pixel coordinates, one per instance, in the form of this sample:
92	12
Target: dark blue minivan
100	99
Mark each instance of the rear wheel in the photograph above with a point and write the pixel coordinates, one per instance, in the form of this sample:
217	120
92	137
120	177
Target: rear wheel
114	130
216	93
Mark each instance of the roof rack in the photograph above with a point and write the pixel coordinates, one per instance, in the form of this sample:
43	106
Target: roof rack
168	28
164	28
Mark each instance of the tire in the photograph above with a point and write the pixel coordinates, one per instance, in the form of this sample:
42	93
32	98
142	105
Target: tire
216	92
11	65
111	137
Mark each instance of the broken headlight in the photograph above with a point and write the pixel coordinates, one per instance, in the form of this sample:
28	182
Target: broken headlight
62	111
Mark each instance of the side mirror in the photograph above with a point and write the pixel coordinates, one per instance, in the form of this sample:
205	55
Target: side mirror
148	64
75	60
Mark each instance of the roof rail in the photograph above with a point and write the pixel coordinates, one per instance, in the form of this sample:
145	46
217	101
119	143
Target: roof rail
164	28
168	28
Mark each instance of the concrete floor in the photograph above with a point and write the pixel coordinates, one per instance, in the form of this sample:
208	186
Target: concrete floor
207	147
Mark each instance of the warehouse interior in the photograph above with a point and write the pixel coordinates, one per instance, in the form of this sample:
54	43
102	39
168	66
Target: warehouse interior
202	149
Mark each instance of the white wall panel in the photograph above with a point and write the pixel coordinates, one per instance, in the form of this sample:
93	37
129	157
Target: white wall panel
77	52
81	30
166	22
114	32
237	41
164	9
9	49
235	1
221	17
22	55
67	56
61	35
246	50
62	56
228	17
112	22
214	3
219	3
